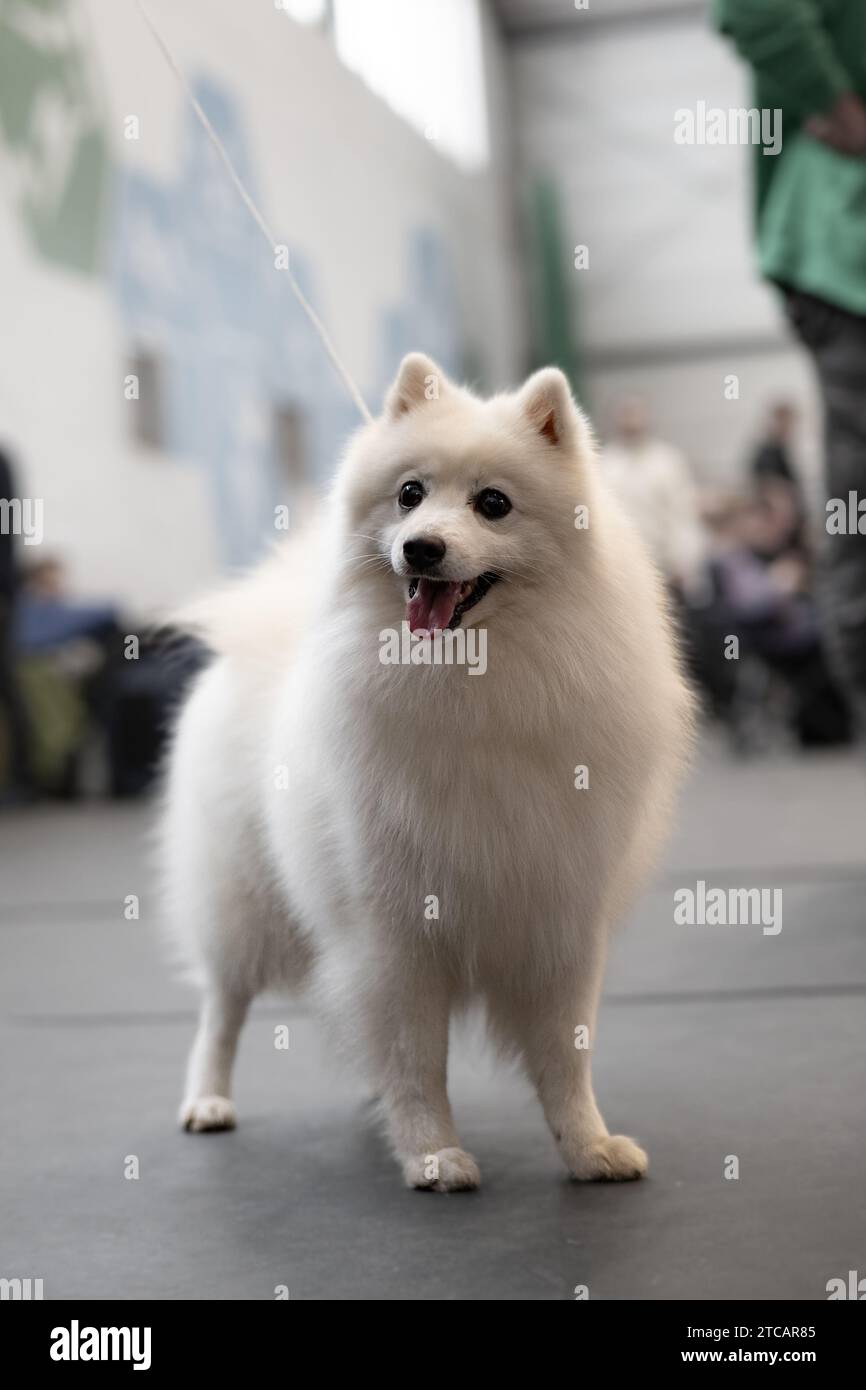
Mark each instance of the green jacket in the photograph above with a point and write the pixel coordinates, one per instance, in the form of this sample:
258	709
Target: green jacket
811	201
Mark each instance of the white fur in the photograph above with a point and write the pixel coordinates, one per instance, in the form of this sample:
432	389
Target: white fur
410	781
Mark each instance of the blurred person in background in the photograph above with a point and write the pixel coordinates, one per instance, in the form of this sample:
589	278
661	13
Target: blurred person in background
100	690
759	590
809	60
48	617
65	653
652	481
777	485
773	456
17	783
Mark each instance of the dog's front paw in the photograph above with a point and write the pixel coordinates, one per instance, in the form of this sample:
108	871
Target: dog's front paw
207	1113
449	1170
614	1158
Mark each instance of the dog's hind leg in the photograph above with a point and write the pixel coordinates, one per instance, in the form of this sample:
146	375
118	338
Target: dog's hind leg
207	1102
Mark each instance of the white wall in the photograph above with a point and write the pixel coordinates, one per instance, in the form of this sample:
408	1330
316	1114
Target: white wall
670	304
341	176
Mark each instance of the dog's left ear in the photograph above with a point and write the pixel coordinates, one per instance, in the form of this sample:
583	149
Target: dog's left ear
546	403
419	380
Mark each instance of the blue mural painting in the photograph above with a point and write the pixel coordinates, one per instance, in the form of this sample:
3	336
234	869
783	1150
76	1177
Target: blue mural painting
196	284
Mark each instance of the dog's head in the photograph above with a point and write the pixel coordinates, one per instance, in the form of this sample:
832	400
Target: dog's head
458	502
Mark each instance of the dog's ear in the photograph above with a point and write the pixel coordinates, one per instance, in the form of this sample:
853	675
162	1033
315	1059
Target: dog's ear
419	380
547	405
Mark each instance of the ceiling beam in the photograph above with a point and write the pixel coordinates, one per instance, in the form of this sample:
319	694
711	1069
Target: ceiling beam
529	27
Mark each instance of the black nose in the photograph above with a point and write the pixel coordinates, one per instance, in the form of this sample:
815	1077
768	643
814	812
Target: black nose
423	552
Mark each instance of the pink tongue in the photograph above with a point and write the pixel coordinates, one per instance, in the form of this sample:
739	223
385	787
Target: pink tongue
432	605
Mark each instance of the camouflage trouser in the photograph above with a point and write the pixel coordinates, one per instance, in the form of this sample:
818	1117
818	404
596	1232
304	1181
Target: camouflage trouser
837	341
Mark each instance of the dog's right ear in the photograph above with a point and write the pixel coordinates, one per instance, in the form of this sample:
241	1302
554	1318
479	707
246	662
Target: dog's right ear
419	380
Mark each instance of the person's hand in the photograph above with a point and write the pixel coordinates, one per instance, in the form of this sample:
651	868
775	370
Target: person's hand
843	127
789	574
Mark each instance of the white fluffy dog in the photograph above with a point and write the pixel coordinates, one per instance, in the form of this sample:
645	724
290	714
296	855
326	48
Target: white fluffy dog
407	839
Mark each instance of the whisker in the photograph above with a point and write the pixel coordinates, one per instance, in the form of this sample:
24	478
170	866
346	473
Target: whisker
364	561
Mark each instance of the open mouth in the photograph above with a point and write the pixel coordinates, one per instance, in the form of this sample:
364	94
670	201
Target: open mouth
437	604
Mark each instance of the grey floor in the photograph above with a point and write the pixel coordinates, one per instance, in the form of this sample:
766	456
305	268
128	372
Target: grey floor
715	1041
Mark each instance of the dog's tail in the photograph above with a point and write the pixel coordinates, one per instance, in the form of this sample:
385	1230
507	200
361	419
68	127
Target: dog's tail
260	613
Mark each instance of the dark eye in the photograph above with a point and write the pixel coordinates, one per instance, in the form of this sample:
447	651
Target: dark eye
492	503
411	494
